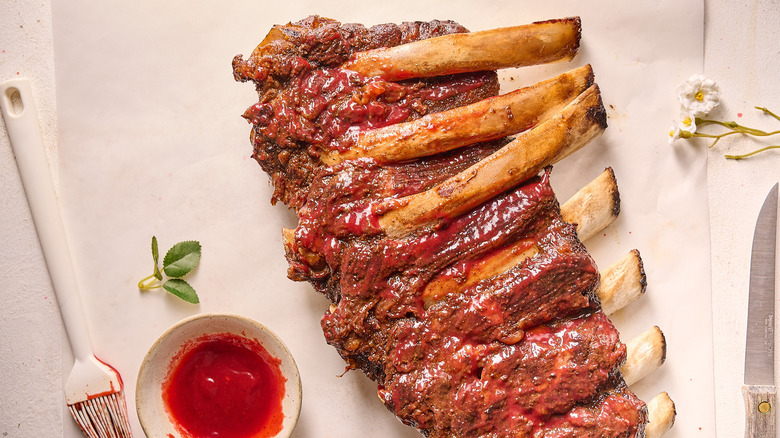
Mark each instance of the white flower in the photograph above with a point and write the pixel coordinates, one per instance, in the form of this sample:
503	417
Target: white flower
688	123
674	132
698	95
686	130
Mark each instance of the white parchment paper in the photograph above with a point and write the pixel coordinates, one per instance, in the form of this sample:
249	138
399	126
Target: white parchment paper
152	143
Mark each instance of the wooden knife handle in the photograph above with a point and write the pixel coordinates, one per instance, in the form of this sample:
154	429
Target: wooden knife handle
760	405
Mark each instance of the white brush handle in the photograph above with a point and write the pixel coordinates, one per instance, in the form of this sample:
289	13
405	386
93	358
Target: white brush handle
21	121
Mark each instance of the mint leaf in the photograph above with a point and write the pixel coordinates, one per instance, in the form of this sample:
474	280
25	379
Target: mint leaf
179	261
156	256
181	289
181	258
155	252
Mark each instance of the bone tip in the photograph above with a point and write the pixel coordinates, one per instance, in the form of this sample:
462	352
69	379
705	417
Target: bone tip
614	191
583	76
577	24
590	77
572	44
597	113
663	413
662	342
641	268
663	398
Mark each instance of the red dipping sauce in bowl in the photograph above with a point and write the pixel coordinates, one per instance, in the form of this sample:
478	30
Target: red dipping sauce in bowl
221	376
225	385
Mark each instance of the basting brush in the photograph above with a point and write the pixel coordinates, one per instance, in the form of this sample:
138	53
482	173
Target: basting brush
93	391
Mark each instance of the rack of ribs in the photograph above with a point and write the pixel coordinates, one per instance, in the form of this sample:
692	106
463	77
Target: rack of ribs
458	282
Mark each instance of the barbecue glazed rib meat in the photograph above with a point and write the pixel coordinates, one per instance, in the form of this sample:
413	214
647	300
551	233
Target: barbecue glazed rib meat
307	103
510	355
522	352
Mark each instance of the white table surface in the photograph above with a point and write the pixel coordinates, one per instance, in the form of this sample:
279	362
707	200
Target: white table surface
742	53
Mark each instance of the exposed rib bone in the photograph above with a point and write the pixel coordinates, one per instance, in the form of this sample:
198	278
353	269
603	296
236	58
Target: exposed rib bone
486	120
590	211
497	263
622	283
661	412
581	121
645	353
536	43
593	207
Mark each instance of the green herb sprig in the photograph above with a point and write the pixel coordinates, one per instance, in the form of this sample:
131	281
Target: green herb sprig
179	261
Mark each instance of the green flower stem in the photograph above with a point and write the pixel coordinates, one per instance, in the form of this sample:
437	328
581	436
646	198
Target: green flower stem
716	137
743	156
735	128
149	282
767	112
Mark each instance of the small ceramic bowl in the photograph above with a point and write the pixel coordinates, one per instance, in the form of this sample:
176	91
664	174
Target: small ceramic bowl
150	405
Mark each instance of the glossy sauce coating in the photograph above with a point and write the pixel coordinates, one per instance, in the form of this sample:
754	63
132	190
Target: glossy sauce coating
524	352
224	385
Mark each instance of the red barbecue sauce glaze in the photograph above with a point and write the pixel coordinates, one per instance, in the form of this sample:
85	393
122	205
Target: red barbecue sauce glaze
328	107
224	385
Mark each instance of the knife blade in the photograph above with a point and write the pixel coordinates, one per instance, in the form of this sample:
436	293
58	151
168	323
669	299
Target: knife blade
759	390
